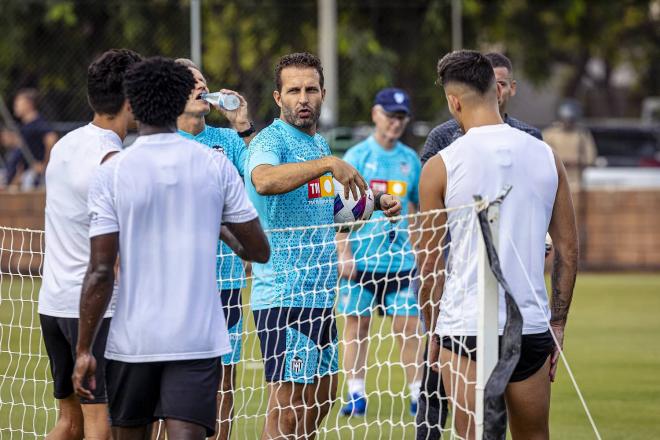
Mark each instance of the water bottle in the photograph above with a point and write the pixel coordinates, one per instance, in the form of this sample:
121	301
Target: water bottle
228	102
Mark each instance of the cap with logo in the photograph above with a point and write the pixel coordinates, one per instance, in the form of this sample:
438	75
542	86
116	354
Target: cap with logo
393	100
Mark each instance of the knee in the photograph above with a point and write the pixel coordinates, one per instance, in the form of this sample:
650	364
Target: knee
363	323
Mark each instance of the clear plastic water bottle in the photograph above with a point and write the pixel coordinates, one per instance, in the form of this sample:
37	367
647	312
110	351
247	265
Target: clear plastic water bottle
226	101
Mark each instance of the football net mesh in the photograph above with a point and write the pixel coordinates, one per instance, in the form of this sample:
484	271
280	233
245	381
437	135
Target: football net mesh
377	309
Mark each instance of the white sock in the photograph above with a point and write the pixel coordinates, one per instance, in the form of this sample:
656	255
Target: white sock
414	389
356	386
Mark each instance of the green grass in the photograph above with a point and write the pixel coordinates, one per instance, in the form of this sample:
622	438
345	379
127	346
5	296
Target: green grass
611	344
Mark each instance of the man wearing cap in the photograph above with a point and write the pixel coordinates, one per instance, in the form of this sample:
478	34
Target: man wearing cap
377	262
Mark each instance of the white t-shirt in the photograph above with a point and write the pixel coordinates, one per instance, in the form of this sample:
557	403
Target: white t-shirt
167	197
73	160
484	161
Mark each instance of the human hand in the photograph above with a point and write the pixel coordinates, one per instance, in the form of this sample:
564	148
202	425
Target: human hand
390	205
434	353
558	331
348	176
85	368
239	118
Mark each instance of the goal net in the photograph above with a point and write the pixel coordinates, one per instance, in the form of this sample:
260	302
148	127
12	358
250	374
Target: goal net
381	337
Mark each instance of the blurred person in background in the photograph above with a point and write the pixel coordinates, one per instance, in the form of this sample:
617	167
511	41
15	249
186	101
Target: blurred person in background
232	142
35	134
573	142
377	262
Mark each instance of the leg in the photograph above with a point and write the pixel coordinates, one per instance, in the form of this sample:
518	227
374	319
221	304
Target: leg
225	402
178	429
97	421
408	331
131	433
459	375
433	408
319	398
528	405
355	303
69	424
286	411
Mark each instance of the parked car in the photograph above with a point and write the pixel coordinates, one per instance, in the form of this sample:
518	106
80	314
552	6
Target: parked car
626	143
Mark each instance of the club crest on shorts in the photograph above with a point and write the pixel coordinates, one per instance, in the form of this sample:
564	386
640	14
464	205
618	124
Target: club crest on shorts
296	365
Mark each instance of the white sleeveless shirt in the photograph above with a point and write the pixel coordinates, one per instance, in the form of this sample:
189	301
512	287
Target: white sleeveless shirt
484	161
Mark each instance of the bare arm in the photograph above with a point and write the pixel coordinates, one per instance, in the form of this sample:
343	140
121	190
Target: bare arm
49	141
345	256
563	232
96	294
281	179
433	230
247	240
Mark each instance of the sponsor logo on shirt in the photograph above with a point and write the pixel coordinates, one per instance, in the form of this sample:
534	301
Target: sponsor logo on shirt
218	149
405	168
321	187
394	187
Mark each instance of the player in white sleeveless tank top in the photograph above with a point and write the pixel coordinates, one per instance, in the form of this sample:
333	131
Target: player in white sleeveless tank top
488	157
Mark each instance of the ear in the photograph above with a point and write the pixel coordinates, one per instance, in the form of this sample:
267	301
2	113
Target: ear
498	86
322	95
127	107
454	103
513	87
374	114
278	98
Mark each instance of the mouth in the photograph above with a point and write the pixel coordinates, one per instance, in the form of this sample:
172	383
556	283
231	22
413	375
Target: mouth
304	113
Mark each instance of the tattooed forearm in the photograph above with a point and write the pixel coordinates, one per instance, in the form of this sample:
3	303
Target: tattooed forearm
564	272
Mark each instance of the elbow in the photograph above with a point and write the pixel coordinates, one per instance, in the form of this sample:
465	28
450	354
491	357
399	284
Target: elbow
102	275
263	186
262	254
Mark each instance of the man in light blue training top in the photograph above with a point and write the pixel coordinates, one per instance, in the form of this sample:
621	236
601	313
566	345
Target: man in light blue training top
231	276
288	177
377	262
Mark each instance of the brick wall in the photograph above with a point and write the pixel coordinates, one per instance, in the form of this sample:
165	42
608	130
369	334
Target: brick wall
622	227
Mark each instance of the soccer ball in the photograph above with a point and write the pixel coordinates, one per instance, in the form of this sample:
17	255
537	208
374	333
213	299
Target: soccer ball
348	210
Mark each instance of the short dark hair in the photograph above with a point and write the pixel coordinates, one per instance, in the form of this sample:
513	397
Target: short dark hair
499	60
158	89
467	67
105	80
298	59
30	94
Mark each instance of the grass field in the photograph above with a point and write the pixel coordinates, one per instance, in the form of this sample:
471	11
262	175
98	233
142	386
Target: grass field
611	344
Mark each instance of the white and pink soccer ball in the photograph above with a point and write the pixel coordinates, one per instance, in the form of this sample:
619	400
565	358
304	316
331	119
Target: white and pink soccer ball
349	210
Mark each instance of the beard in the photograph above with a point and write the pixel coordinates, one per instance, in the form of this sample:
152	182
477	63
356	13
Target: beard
291	116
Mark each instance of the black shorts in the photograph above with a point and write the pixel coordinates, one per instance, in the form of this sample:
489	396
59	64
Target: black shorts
298	344
534	351
141	393
60	337
232	305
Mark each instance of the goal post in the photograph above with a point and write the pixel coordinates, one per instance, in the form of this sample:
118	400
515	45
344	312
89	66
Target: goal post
488	315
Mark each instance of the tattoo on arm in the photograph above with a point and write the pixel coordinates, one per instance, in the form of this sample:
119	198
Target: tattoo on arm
563	282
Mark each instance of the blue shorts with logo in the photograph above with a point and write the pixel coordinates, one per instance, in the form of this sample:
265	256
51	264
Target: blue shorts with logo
232	308
298	344
391	294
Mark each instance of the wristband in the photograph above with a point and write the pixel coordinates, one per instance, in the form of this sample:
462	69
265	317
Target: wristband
246	133
377	205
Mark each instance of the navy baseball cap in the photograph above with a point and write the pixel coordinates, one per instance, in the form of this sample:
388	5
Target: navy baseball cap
393	100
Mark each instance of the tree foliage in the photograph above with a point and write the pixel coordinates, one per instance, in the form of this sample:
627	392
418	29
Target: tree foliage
49	44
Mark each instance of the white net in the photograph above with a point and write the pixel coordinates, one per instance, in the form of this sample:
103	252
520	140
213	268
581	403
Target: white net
378	350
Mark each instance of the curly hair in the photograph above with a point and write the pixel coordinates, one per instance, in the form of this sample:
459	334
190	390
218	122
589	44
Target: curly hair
467	67
157	89
105	80
298	59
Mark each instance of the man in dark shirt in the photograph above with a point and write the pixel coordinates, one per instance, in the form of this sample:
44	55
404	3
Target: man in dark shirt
447	132
432	410
34	132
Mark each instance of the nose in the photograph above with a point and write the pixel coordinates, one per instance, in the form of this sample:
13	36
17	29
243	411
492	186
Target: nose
304	98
